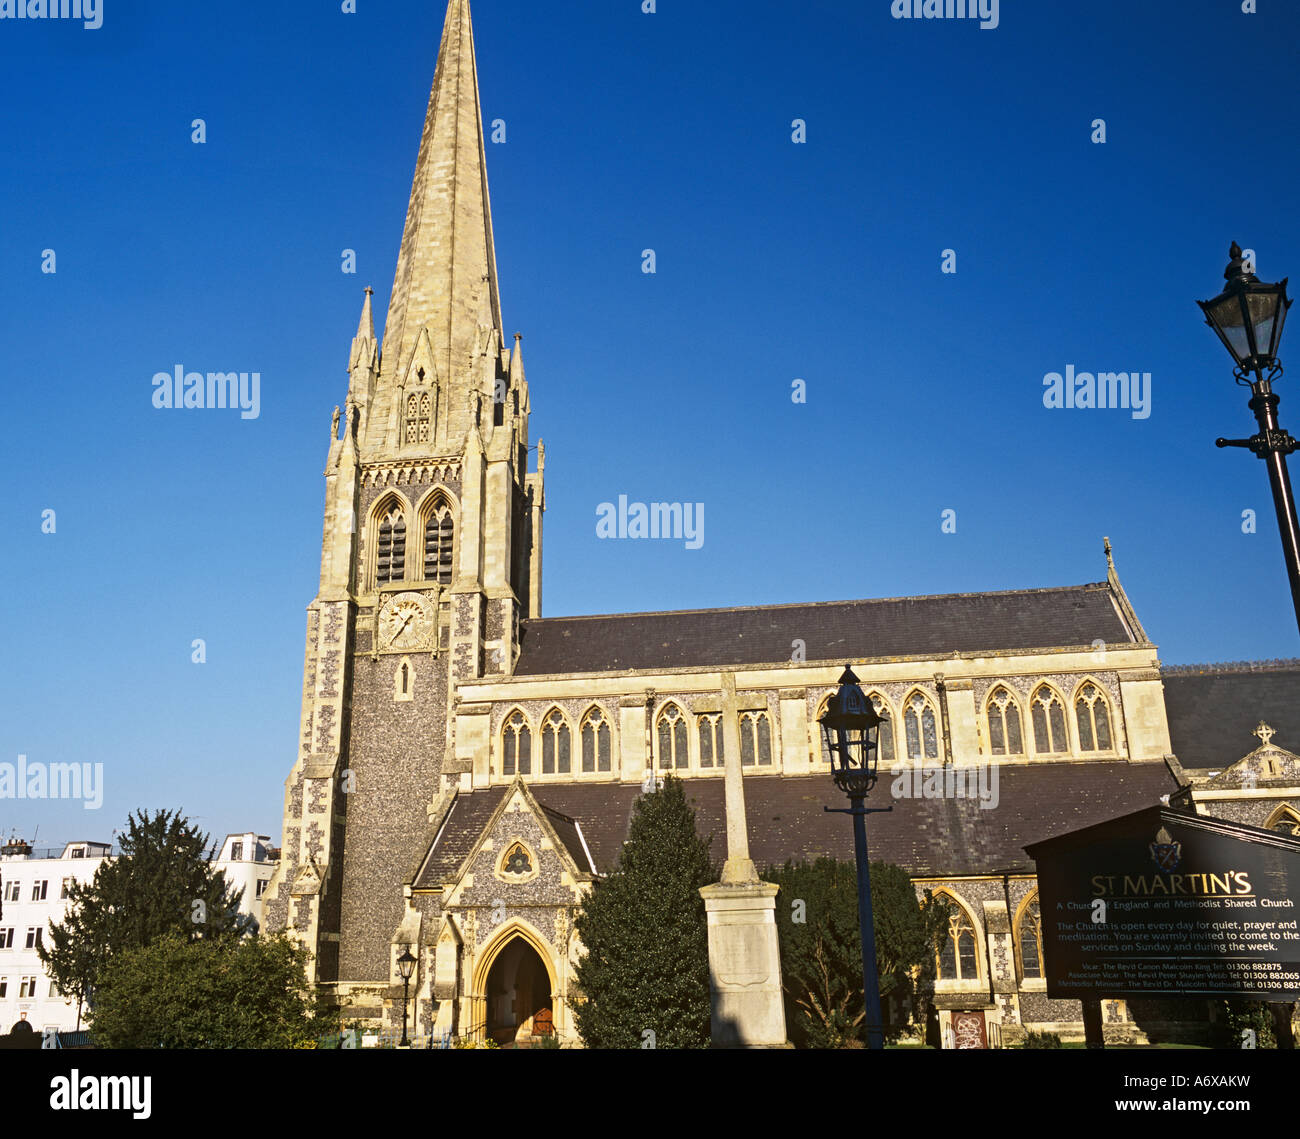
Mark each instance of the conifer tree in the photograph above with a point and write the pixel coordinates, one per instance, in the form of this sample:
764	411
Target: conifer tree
644	981
162	882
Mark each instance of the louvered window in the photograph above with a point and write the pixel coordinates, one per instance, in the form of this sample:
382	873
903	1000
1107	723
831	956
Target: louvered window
391	560
438	534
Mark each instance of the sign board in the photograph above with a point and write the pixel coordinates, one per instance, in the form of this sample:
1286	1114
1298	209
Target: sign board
1165	903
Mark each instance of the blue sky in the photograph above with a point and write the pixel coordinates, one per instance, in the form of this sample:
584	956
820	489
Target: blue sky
775	262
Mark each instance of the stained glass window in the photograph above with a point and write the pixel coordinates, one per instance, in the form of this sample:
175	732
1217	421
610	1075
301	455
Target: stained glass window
517	745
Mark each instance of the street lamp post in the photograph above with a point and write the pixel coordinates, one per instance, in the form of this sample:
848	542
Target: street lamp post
1248	317
405	966
852	731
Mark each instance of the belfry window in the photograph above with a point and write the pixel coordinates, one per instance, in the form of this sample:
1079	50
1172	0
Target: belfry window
555	744
391	561
1049	721
595	741
755	739
672	739
419	416
1093	719
438	531
517	746
1005	736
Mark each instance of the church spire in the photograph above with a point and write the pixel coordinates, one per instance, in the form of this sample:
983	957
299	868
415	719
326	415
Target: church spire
446	280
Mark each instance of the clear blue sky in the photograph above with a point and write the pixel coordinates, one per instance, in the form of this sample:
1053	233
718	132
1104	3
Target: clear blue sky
776	262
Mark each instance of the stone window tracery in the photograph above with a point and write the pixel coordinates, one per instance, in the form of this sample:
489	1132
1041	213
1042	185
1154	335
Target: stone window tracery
419	416
712	752
1029	938
595	741
516	746
755	739
517	862
1005	726
555	743
439	532
1093	717
673	751
919	722
1048	715
958	960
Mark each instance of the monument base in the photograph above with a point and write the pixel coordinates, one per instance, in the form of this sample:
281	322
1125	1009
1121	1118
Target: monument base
745	965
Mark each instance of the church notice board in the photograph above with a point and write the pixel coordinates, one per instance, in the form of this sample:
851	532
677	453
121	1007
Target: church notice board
1163	902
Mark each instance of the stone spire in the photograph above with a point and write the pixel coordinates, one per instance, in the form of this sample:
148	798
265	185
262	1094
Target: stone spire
446	280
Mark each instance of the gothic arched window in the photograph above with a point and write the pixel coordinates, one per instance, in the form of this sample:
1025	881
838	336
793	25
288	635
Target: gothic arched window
419	416
755	739
1029	938
885	741
1093	718
957	959
1005	736
672	739
516	861
438	532
712	753
390	546
1049	721
919	722
1286	820
595	741
555	743
516	746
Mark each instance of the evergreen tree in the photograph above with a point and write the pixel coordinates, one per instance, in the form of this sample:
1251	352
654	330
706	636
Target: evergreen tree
821	948
215	993
161	883
646	968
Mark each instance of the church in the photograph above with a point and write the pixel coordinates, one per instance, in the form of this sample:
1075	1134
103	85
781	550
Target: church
467	768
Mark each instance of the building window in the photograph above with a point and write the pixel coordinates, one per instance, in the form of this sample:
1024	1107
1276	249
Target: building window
1005	736
957	960
406	678
885	741
419	414
755	739
78	852
595	741
26	988
34	937
1285	820
39	889
54	989
65	889
262	884
555	744
517	861
712	753
236	852
919	723
1049	721
7	938
438	534
517	754
4	987
1093	718
12	890
390	562
672	739
1030	936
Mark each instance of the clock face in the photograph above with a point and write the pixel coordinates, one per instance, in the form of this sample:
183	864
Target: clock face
404	623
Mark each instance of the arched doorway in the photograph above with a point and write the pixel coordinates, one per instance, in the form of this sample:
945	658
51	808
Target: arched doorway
518	993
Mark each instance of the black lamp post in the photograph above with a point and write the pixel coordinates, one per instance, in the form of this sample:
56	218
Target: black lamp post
1248	317
852	731
405	966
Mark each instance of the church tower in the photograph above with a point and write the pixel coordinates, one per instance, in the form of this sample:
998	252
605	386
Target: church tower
430	558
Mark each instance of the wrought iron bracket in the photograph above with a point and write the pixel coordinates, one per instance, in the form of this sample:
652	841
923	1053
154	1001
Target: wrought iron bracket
1265	443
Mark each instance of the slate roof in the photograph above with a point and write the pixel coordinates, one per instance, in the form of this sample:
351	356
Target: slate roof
1214	709
831	630
928	837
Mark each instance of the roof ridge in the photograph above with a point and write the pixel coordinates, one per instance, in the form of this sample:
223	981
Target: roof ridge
1091	585
1281	664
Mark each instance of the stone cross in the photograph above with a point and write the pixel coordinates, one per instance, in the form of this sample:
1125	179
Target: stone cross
1264	732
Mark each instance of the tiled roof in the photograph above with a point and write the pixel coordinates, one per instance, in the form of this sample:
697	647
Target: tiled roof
1213	713
927	837
830	630
460	830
